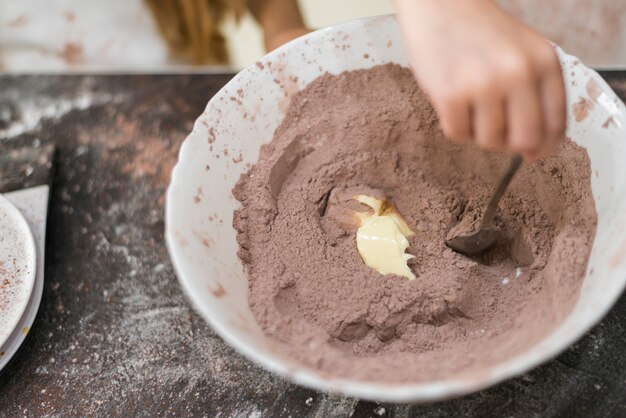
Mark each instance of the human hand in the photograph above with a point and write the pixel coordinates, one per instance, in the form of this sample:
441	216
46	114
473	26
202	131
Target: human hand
490	78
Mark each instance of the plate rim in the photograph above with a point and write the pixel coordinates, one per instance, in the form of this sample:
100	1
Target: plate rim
26	233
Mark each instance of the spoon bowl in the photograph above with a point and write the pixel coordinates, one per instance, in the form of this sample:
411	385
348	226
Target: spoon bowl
465	238
475	242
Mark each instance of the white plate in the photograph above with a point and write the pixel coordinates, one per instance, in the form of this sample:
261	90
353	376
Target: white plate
33	204
243	116
18	267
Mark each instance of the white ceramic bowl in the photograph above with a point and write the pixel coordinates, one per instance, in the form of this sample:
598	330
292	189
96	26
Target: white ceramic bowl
226	138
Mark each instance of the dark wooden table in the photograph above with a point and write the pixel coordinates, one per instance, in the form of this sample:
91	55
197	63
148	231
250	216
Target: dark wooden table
116	336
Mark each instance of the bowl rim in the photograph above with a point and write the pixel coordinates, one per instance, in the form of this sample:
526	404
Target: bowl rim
387	392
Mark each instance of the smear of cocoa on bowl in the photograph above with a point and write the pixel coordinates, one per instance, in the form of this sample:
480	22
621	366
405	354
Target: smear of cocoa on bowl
374	132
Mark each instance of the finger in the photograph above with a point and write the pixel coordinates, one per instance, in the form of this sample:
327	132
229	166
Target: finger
554	112
488	123
454	117
531	156
524	118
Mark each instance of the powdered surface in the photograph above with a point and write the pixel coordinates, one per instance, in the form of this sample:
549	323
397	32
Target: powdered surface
373	132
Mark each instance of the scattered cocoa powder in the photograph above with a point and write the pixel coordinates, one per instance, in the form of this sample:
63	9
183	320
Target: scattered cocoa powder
374	132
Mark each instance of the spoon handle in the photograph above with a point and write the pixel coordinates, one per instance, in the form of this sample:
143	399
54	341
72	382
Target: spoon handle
492	206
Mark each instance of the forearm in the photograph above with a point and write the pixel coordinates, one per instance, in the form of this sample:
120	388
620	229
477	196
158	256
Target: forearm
276	18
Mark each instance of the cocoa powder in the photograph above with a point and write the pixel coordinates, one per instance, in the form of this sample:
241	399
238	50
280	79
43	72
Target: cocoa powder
374	132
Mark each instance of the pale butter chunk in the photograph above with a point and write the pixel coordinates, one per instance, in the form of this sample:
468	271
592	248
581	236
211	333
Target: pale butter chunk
382	238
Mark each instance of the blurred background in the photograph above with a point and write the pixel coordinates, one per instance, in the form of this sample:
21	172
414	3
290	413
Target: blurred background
246	40
133	35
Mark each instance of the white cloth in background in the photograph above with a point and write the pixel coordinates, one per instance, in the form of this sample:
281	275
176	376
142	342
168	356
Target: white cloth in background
593	30
79	35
